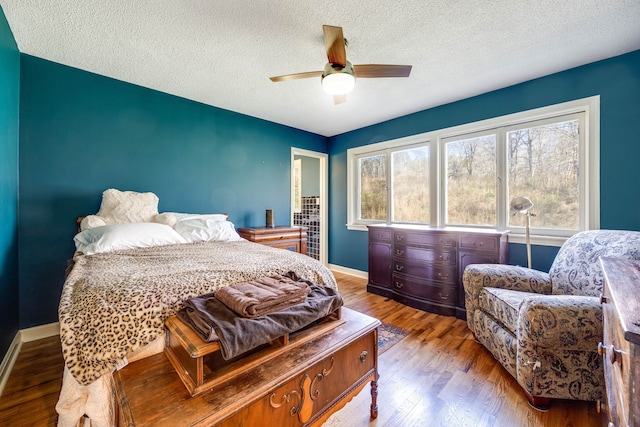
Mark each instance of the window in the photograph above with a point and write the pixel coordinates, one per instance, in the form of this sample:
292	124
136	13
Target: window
410	201
471	181
543	163
466	175
373	187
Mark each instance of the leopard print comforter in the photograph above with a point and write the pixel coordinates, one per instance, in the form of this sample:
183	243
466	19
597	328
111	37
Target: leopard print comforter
115	303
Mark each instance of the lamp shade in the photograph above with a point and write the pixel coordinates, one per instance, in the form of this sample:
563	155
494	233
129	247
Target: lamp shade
338	81
520	204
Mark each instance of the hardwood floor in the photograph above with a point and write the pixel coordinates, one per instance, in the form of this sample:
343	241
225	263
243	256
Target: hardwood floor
436	376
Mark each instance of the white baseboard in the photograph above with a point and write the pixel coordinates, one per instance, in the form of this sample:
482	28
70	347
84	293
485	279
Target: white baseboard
22	336
350	271
9	360
40	332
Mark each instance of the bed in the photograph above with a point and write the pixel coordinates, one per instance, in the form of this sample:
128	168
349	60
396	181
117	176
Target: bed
127	278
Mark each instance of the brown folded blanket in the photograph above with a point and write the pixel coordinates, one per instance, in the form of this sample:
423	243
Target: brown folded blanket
263	295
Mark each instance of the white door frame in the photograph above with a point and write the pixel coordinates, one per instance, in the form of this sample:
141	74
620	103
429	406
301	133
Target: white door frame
324	197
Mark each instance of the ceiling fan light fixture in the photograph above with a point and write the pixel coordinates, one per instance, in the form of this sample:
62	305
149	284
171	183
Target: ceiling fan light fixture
338	81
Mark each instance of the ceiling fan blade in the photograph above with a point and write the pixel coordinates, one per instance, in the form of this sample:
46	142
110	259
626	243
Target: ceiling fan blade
339	99
381	70
296	76
334	43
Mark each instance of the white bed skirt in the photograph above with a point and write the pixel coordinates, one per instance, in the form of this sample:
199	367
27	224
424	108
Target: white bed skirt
95	405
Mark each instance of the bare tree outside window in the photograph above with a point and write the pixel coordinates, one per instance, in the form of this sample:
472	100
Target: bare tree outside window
543	166
471	181
410	185
373	187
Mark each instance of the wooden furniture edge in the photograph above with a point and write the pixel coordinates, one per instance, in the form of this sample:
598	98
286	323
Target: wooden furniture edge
264	388
361	326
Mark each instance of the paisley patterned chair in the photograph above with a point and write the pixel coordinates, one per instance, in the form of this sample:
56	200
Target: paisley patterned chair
544	328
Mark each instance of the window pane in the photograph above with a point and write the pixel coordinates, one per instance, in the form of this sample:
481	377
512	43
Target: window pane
373	187
410	187
543	166
471	181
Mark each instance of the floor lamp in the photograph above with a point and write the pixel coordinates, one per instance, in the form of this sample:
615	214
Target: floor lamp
523	205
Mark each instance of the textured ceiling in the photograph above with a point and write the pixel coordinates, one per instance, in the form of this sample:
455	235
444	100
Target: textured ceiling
221	52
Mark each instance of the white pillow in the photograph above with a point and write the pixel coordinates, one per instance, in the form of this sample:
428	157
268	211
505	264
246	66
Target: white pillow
115	237
127	206
206	229
212	217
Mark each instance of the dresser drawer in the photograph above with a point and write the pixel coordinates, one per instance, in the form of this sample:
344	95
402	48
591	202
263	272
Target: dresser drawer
424	254
430	239
427	271
479	242
380	234
441	294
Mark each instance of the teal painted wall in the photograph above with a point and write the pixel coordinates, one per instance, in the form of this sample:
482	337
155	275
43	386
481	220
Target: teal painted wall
616	80
82	133
9	120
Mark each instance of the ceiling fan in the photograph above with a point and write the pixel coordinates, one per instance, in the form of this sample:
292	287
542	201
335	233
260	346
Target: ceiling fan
339	75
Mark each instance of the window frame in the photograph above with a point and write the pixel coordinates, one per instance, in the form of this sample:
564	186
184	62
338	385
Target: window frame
589	157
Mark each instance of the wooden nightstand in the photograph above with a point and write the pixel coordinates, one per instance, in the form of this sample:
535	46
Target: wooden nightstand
292	238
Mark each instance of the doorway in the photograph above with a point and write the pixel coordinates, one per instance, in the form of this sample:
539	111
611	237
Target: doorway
309	174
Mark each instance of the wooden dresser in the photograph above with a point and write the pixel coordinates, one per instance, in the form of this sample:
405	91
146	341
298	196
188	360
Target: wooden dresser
620	347
292	238
302	386
422	266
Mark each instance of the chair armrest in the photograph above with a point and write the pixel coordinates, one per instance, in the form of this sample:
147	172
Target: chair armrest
562	322
478	276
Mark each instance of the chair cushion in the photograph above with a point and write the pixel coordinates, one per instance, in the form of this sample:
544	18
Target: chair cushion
503	305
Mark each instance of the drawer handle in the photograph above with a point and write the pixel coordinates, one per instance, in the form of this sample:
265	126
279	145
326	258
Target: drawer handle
615	355
399	285
603	299
445	296
399	252
477	243
363	356
443	277
399	267
399	237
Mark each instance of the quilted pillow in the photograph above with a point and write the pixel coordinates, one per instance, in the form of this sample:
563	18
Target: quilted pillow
91	221
120	207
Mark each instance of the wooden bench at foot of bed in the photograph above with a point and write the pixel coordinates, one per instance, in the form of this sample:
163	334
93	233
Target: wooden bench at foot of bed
201	366
302	384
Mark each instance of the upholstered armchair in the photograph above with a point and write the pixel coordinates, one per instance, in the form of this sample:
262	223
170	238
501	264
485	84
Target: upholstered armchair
544	328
